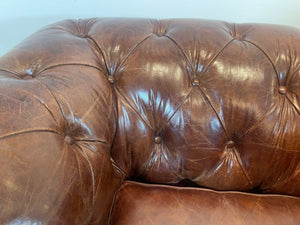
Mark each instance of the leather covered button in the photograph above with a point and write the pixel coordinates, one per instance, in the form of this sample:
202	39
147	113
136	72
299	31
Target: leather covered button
111	79
230	144
157	140
282	90
69	139
195	82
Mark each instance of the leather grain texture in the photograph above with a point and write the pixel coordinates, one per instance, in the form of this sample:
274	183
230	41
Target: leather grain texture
86	104
144	204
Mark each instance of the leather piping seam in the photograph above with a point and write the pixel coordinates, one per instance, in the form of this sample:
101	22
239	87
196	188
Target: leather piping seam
113	202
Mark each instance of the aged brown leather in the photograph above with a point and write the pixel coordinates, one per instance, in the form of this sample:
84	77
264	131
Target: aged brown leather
157	204
87	104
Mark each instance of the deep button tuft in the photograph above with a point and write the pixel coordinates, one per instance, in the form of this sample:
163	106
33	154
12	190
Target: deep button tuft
157	140
160	33
238	37
195	82
82	35
70	140
27	77
230	144
111	79
282	90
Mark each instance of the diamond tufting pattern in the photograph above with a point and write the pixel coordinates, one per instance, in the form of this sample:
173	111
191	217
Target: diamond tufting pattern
156	101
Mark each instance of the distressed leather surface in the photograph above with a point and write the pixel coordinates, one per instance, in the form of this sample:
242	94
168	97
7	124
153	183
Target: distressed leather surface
85	104
145	204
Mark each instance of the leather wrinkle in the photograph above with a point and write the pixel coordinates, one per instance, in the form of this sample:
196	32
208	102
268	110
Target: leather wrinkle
70	64
92	140
267	56
45	106
181	50
102	53
88	111
83	153
118	167
80	24
217	54
273	65
66	121
204	70
54	97
214	110
292	103
290	212
159	26
291	76
11	72
135	110
53	172
123	61
38	100
225	123
151	158
256	125
239	160
227	136
289	67
175	111
29	131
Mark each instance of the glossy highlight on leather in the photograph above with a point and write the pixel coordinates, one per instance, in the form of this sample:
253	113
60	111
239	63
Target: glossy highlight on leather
88	104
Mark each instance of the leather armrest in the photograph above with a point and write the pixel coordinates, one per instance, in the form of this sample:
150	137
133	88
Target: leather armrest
57	127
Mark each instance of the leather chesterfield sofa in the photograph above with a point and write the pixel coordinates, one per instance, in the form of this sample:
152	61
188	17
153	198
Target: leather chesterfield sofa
151	122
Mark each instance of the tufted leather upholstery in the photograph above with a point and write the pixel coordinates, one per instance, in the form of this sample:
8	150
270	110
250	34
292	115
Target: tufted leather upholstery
88	104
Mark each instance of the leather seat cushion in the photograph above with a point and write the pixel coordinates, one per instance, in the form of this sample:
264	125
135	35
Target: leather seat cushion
145	204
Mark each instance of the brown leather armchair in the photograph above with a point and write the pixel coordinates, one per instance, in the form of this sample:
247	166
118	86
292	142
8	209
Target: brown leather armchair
151	122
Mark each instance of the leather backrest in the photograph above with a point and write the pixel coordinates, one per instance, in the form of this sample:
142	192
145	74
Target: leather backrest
205	101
